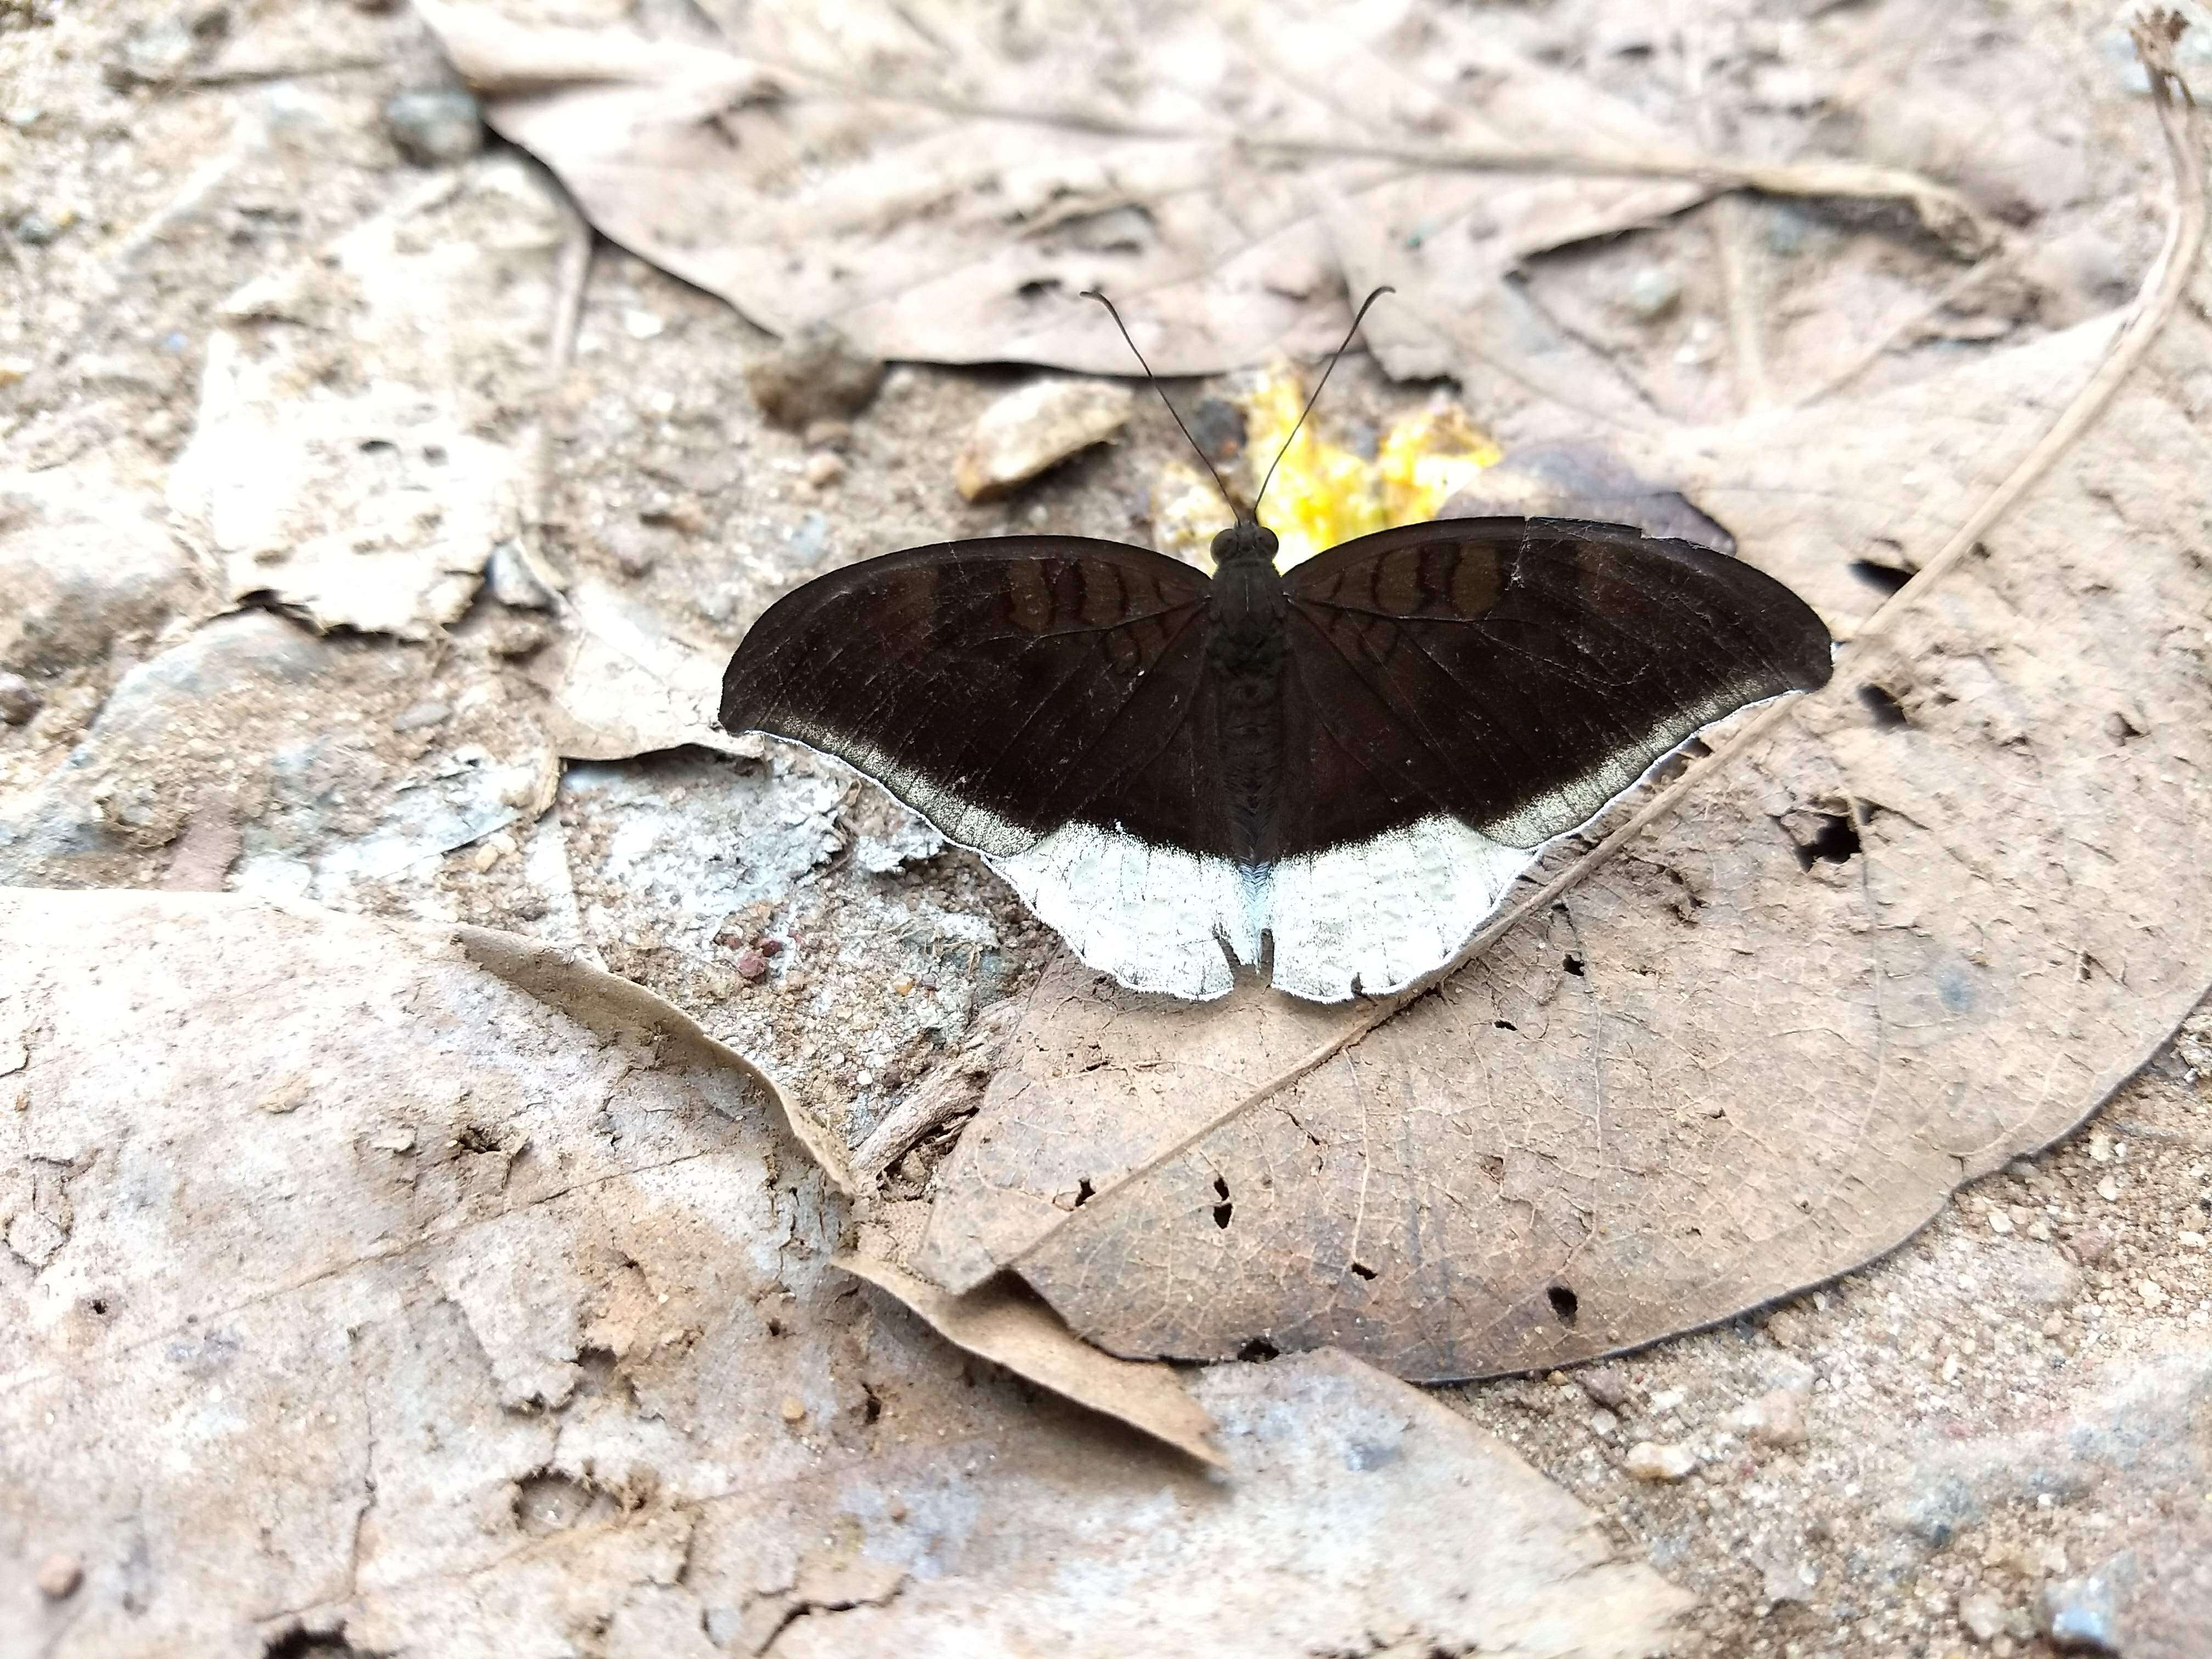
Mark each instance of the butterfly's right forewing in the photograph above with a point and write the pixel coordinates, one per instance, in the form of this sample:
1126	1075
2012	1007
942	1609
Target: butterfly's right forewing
999	687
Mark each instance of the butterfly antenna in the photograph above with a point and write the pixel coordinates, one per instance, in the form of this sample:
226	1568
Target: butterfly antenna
1154	381
1315	398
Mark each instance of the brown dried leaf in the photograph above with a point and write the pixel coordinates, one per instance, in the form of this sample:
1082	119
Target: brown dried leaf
1930	918
1004	1322
939	182
507	1326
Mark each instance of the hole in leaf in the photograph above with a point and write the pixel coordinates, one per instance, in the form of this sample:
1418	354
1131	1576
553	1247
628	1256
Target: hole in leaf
1039	288
1362	1270
1886	579
99	1305
1222	1213
1504	1025
1565	1303
1084	1192
297	1643
1259	1348
874	1409
1887	712
1573	964
1837	841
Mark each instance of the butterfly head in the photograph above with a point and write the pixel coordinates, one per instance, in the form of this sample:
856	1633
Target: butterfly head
1245	542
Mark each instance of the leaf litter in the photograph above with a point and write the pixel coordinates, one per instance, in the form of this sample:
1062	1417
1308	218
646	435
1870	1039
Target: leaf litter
587	1361
924	181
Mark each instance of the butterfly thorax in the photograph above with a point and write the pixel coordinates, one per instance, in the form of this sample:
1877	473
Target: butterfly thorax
1246	648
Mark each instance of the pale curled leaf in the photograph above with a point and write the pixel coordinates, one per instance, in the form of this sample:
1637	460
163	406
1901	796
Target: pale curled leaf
613	1007
1940	911
940	187
1002	1322
379	1235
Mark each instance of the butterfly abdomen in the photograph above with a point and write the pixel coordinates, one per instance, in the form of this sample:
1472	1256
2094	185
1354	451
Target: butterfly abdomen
1247	651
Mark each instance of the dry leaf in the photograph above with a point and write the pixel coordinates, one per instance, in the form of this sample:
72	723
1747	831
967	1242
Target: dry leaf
940	183
513	1327
1931	919
1002	1322
622	680
372	503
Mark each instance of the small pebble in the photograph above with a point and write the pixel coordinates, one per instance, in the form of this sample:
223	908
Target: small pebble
1666	1401
417	715
1035	427
2100	1149
1606	1385
2020	1171
36	228
2078	1616
151	54
1603	1422
1983	1616
2109	1189
794	1411
823	470
2000	1223
2152	1296
59	1576
1649	1461
513	582
1785	231
751	964
13	369
1652	292
2092	1246
19	700
434	126
517	637
1786	1329
681	513
829	435
642	324
1777	1418
1218	426
814	375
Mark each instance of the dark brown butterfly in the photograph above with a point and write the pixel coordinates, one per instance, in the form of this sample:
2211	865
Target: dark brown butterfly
1355	758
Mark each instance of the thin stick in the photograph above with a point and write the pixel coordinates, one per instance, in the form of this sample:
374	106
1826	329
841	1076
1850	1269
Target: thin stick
1153	380
1356	318
2164	288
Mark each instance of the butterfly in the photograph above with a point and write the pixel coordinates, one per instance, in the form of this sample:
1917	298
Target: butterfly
1352	761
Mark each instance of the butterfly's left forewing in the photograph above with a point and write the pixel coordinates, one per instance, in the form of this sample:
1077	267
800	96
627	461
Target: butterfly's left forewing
1520	673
